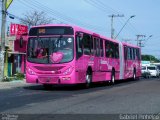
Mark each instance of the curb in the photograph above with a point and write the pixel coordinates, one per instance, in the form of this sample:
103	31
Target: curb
12	84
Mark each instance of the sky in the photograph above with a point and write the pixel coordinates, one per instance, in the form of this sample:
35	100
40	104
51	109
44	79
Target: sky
94	15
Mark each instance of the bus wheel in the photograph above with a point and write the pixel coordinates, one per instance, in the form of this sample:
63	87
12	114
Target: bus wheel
47	86
134	75
112	81
88	79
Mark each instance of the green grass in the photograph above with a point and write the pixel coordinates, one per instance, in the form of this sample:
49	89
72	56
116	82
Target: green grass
17	76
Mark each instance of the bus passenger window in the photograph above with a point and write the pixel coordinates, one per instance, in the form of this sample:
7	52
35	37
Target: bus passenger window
97	48
116	51
112	50
107	45
128	54
134	54
79	50
101	48
138	54
131	55
87	47
91	46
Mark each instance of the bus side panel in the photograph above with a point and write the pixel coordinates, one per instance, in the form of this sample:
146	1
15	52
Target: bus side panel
113	64
99	76
138	72
80	70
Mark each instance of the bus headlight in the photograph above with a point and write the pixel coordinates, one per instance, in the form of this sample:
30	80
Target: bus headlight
68	71
30	71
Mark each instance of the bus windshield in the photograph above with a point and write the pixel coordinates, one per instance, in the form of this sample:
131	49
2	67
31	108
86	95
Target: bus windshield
45	50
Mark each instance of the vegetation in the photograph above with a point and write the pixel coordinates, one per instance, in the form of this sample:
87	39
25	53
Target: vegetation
18	76
35	18
150	58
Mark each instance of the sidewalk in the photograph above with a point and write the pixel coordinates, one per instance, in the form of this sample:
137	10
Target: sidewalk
13	84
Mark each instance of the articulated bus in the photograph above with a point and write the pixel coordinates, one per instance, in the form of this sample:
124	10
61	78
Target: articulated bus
64	54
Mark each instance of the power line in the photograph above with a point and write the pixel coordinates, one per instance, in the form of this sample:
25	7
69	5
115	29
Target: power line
46	9
100	6
147	39
63	17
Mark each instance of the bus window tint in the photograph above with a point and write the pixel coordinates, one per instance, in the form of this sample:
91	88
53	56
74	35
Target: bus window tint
101	48
128	54
112	50
91	46
138	54
131	54
107	45
86	43
97	48
40	50
79	50
116	51
125	53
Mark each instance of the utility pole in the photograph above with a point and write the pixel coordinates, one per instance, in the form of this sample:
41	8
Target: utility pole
112	17
139	41
2	51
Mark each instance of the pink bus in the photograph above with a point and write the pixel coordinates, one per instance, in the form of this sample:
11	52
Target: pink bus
64	54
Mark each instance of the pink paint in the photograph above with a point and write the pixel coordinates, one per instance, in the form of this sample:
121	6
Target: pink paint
74	71
56	57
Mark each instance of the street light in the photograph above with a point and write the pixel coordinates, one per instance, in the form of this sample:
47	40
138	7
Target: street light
148	39
125	25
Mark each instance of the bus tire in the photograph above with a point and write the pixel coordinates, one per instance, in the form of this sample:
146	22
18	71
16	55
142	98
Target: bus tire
47	86
88	79
112	81
134	74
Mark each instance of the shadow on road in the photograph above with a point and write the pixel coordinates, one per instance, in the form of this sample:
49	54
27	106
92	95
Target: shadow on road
80	87
24	96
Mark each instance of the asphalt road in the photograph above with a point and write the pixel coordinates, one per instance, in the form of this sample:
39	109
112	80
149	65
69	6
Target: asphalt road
131	97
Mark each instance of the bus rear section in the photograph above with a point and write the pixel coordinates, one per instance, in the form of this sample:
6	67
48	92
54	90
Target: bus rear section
132	61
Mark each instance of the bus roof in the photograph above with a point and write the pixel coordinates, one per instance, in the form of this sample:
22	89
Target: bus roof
106	38
131	45
77	28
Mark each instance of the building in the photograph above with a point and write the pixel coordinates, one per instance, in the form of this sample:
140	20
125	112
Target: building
15	55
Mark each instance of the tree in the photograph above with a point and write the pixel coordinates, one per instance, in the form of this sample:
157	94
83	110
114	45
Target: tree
150	58
35	18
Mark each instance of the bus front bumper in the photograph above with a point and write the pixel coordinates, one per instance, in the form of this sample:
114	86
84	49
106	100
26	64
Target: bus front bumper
46	79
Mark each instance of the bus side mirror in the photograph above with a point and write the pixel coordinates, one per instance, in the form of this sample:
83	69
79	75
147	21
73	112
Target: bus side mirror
21	42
